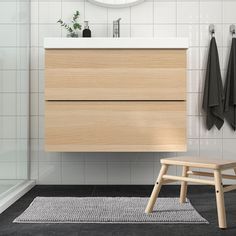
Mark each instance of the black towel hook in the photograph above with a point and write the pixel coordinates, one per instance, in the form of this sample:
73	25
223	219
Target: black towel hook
232	30
212	29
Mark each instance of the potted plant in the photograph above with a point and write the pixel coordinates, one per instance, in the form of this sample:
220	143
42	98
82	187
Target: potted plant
72	28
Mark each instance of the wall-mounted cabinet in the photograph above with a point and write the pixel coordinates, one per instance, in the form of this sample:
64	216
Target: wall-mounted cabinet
106	95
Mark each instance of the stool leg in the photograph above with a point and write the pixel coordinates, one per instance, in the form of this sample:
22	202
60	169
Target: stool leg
183	190
220	199
156	189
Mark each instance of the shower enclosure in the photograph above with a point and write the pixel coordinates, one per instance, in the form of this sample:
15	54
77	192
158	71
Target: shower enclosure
14	100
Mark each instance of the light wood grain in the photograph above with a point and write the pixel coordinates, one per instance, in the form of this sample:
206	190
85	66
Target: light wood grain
188	179
156	189
184	184
201	173
113	58
115	84
220	202
200	162
229	188
115	126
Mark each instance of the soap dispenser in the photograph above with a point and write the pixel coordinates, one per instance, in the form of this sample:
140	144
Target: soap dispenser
86	31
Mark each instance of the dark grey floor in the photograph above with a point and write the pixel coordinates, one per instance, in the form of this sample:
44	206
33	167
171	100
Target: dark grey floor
202	198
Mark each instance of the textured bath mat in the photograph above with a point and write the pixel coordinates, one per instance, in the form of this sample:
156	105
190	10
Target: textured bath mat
108	210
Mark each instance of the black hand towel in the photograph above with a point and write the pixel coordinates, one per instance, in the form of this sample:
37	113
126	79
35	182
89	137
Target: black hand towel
213	92
230	88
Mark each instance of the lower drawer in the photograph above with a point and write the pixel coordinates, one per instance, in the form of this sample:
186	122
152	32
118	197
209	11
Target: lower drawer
115	126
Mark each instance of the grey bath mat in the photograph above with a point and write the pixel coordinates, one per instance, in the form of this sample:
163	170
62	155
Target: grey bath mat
108	210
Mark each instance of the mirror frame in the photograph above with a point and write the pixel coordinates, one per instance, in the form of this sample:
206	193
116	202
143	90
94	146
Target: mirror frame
115	5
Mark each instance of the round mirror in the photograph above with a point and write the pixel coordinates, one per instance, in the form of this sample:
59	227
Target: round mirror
116	3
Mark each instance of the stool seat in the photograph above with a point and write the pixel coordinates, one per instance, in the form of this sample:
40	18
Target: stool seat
216	166
200	162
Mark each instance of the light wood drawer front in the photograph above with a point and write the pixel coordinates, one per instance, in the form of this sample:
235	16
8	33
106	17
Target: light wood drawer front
115	84
118	58
115	126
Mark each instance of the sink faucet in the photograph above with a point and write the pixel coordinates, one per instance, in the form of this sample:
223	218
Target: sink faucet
116	28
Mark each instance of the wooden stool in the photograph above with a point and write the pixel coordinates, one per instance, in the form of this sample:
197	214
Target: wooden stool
217	166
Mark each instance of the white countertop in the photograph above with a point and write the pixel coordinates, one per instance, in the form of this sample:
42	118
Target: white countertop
67	43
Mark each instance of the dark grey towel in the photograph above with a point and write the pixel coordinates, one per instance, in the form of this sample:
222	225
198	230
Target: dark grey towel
230	88
213	92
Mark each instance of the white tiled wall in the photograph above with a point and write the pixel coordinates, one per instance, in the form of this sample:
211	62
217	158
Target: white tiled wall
14	88
153	18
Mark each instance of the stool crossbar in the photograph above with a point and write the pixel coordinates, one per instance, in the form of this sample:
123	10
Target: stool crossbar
216	167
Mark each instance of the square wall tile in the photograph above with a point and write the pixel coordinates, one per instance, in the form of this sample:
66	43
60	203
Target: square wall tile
95	14
211	148
73	173
118	173
49	11
189	31
192	148
49	173
8	81
8	35
229	15
8	127
187	11
164	12
142	173
210	11
8	170
229	150
8	150
8	58
142	13
95	172
8	10
8	104
48	30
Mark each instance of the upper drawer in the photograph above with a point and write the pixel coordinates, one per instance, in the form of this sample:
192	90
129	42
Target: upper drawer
115	75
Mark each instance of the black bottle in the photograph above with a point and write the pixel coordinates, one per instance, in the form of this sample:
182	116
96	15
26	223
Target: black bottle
86	31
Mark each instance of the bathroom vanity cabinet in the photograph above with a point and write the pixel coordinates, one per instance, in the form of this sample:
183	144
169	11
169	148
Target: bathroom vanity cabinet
115	95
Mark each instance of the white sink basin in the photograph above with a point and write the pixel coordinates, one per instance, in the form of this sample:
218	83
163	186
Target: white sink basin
68	43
